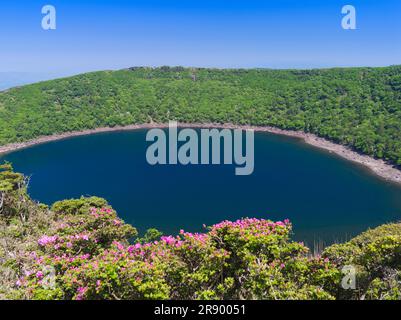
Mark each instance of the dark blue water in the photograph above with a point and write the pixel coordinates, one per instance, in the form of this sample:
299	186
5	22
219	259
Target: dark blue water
324	196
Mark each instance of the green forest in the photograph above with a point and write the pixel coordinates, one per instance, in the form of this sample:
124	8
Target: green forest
357	107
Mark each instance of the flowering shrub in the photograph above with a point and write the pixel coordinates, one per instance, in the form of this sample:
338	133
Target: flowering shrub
245	259
265	264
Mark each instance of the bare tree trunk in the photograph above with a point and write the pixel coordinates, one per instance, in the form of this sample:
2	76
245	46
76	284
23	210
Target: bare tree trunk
1	201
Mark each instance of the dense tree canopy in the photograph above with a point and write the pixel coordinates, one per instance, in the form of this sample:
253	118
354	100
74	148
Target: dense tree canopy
358	107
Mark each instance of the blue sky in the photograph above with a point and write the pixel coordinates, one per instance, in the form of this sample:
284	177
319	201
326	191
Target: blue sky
113	34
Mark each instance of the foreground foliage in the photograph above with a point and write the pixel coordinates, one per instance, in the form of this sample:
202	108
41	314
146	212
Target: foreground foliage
80	249
358	107
376	256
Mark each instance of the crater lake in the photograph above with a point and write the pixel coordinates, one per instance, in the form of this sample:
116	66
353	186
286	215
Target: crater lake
327	198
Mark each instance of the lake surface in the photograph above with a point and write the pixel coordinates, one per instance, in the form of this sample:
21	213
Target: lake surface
326	198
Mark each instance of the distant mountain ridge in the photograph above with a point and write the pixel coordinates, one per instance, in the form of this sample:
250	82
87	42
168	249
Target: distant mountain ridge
16	79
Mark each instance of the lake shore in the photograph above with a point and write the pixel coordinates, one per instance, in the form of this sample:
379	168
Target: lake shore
378	167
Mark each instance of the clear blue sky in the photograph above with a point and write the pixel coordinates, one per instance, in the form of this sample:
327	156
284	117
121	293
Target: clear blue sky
112	34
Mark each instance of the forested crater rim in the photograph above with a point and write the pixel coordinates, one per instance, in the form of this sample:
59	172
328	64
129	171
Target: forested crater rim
379	167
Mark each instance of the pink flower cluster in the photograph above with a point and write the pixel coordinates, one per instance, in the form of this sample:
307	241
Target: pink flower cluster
172	241
96	212
81	236
250	222
253	226
81	293
201	237
45	240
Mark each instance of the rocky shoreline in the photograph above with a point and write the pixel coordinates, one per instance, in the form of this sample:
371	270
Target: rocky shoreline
378	167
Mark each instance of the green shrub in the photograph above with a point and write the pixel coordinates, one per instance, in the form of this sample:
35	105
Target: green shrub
78	206
376	257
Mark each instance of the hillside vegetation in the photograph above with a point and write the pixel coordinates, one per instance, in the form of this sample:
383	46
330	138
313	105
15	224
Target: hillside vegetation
79	249
358	107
